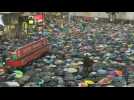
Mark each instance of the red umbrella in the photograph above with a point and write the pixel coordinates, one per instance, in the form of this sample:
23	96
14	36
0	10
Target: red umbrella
39	17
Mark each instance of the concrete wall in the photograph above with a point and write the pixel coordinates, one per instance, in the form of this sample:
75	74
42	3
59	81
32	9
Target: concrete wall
121	15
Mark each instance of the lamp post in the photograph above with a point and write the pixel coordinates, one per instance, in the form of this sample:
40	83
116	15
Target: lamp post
42	22
69	17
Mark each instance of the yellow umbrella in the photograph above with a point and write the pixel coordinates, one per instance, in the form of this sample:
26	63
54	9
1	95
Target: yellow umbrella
89	82
19	74
130	45
50	30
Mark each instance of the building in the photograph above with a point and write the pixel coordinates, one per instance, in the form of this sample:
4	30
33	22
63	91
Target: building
121	15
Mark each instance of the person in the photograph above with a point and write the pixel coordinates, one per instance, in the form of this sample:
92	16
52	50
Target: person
1	62
1	31
87	65
126	74
1	28
3	57
4	54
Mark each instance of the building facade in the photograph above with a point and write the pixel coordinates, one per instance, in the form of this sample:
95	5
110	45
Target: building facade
121	15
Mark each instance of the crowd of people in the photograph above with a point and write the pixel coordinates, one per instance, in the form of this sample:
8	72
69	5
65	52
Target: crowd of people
88	54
